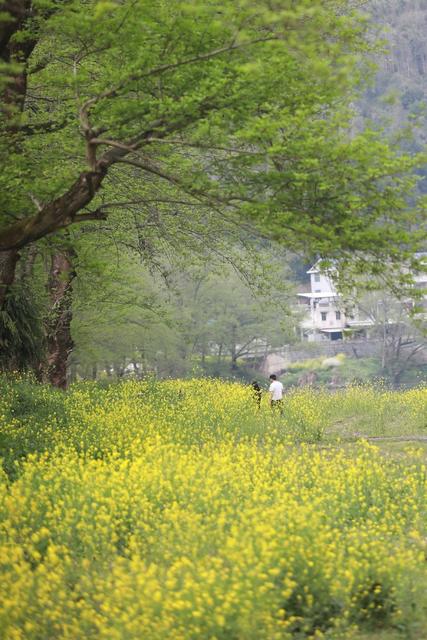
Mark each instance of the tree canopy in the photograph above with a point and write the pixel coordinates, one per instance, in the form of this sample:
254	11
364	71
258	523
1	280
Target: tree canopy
234	109
189	129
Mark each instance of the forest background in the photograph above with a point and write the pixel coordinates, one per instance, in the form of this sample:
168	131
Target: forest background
218	234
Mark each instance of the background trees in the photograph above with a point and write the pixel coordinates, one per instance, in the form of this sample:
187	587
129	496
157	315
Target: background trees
181	318
399	330
175	122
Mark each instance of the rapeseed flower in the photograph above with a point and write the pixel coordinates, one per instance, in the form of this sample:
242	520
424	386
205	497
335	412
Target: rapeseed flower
182	515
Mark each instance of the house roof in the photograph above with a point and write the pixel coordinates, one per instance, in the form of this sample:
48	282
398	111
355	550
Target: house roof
314	268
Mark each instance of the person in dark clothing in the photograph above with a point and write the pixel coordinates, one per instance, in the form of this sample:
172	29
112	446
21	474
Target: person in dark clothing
256	393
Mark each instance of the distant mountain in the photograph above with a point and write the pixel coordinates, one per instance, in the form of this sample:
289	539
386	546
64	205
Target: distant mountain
399	94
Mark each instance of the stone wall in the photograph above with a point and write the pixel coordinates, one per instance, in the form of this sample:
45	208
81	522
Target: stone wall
279	359
351	348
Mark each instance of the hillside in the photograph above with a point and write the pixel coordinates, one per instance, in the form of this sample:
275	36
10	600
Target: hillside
399	94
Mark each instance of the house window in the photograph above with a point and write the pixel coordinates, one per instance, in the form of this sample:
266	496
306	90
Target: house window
338	315
324	316
317	277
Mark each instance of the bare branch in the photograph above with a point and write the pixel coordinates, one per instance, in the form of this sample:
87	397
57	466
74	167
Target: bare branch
114	143
36	201
43	127
150	167
97	214
207	147
129	203
241	351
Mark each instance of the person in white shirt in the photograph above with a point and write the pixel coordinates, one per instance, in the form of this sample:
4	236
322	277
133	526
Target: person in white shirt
276	393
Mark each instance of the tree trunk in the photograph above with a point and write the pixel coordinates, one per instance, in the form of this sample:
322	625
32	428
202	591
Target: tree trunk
219	356
234	366
73	372
12	98
28	262
119	370
233	349
59	340
8	262
396	377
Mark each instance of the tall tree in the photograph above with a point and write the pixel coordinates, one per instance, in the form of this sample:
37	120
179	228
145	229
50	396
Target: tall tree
58	325
171	116
400	326
221	315
14	55
235	107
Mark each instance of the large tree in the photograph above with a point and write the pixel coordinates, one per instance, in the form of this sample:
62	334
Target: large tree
400	327
176	118
238	107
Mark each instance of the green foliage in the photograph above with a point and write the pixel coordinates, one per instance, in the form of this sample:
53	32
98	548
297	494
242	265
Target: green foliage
192	127
398	98
353	370
172	316
32	416
222	110
21	331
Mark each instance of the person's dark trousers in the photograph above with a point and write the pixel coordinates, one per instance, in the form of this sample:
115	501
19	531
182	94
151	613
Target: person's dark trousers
277	405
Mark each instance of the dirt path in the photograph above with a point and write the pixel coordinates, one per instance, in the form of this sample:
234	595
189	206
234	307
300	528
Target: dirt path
408	438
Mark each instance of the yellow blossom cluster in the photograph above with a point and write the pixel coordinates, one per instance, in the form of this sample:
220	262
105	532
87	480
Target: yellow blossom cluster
177	510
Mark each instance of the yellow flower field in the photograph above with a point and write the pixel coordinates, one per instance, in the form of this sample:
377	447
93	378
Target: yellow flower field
177	510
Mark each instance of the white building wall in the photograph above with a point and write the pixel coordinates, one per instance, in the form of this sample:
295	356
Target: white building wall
321	283
330	310
324	299
323	312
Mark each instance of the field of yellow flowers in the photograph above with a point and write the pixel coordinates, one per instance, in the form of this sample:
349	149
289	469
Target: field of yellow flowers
178	510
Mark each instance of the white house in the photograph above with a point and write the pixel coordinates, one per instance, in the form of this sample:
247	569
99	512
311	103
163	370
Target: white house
420	280
326	317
